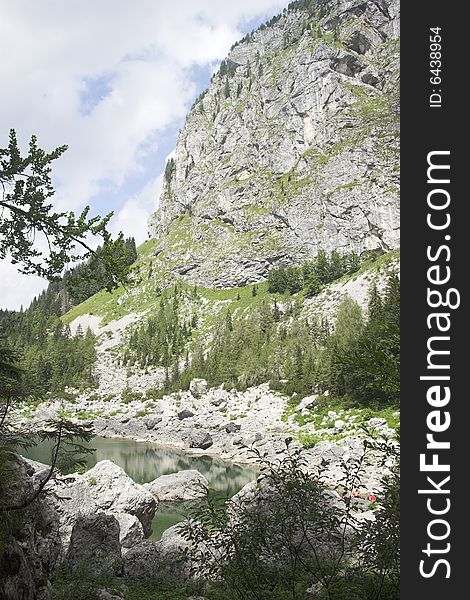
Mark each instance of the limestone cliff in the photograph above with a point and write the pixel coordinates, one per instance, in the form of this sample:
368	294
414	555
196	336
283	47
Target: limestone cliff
293	148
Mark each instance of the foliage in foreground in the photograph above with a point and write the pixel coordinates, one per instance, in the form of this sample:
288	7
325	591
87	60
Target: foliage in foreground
291	534
286	535
27	216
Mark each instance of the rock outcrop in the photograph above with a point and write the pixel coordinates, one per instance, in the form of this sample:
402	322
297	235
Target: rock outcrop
293	148
104	489
30	544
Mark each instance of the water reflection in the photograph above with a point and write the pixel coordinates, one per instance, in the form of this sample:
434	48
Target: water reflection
144	462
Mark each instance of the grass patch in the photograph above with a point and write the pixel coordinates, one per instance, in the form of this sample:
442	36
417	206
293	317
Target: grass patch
86	415
318	416
118	303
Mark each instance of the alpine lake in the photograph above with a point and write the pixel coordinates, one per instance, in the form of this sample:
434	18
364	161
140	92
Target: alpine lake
144	461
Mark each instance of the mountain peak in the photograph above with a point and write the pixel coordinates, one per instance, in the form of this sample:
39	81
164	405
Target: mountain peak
293	148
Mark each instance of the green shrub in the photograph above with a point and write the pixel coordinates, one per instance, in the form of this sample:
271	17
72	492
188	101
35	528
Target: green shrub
291	534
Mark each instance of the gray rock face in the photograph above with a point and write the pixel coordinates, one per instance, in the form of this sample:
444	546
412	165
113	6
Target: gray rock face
293	148
177	487
199	438
31	547
94	546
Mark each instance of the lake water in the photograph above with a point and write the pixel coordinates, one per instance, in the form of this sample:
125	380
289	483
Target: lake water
144	462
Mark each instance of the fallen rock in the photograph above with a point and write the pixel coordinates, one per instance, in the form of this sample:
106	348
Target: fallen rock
185	414
377	422
198	387
113	490
141	561
152	422
233	427
131	531
106	488
94	546
252	439
307	403
179	487
163	561
339	425
218	396
200	438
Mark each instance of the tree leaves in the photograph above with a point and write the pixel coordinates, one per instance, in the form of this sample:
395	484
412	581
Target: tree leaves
27	218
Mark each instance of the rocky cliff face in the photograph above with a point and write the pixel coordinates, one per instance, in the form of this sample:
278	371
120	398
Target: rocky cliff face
293	148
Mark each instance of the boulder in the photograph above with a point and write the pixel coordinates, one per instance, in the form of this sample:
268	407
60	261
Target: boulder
113	490
377	422
94	546
232	427
141	561
252	439
162	561
218	397
175	564
185	414
30	549
131	531
308	402
198	387
152	422
107	488
179	487
200	438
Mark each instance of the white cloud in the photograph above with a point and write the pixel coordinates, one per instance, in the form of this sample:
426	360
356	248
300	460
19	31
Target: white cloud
54	56
132	218
18	289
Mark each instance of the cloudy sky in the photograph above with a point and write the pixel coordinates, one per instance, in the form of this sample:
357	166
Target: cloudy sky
112	79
